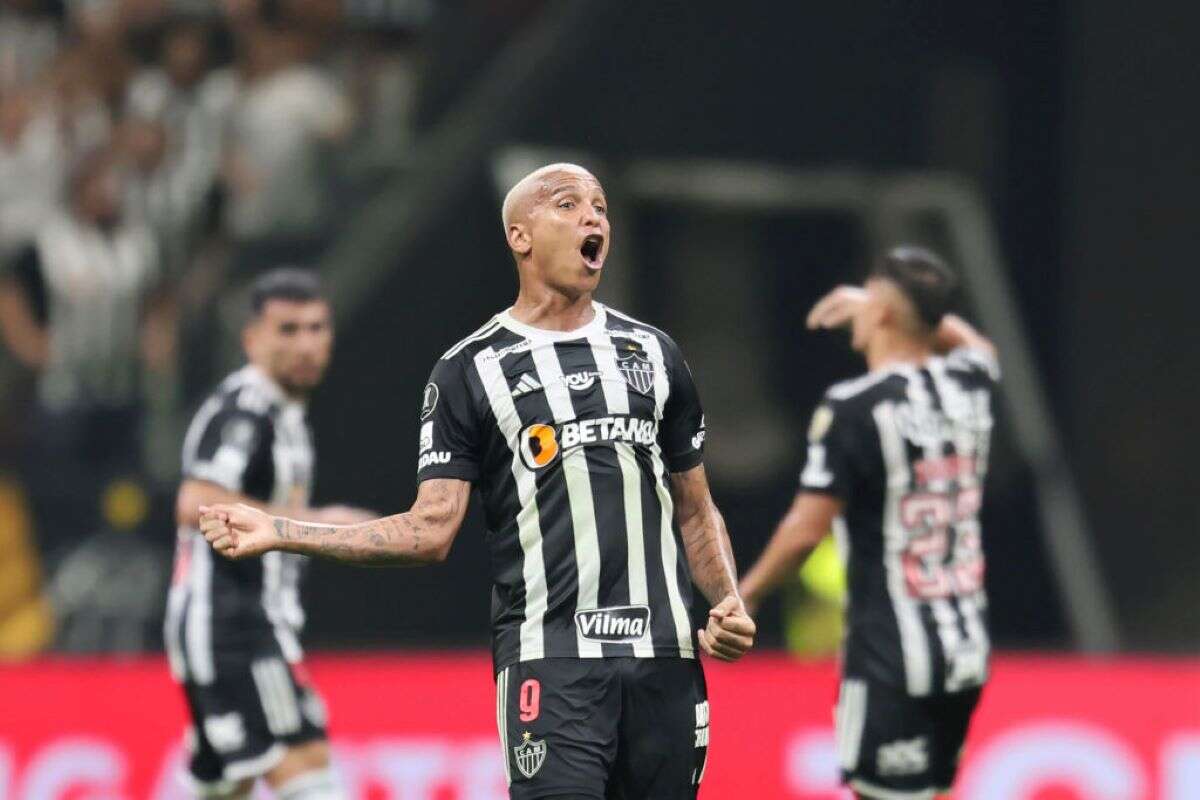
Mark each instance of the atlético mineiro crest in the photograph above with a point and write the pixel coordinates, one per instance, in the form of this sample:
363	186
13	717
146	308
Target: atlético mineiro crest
635	365
531	754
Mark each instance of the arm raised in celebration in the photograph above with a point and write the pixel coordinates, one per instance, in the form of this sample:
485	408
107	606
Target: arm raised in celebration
421	535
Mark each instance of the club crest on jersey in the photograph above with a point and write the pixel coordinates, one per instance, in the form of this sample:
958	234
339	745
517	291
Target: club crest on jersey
614	624
530	755
635	365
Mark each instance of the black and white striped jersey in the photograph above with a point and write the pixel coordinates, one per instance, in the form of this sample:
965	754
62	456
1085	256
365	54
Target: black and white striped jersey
569	438
247	437
906	448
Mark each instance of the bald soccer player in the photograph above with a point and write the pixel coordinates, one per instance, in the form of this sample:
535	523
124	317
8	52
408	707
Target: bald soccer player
582	429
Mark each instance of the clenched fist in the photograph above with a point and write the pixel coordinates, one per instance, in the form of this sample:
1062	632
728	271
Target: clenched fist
730	632
238	531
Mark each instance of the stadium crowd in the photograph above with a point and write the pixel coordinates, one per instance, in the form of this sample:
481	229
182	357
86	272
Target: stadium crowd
154	156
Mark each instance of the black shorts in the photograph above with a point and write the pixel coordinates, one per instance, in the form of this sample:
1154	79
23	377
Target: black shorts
897	747
255	708
604	728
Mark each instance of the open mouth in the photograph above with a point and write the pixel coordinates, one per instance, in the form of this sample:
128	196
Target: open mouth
590	250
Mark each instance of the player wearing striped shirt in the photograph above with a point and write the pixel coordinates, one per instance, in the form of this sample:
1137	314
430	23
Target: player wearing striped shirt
896	465
583	432
232	629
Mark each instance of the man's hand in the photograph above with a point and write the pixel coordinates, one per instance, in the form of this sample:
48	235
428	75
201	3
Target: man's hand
238	531
837	308
730	631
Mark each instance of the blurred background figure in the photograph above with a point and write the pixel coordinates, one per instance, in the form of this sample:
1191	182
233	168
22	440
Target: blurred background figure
287	114
83	308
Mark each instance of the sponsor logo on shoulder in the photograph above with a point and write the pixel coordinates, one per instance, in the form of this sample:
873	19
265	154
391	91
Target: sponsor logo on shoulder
698	439
427	436
436	457
530	755
614	624
429	400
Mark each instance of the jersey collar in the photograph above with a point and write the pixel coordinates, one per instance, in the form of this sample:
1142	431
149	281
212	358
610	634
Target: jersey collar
596	325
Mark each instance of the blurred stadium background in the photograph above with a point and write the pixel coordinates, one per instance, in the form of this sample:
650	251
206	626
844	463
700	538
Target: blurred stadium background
755	154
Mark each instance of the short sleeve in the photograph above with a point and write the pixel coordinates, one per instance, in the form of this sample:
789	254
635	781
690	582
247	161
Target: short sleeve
830	467
683	428
229	447
449	442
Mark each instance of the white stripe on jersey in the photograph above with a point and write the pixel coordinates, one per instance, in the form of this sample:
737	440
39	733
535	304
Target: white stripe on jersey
484	331
579	494
670	553
957	402
502	720
913	643
198	644
849	722
173	626
529	526
616	397
944	616
276	696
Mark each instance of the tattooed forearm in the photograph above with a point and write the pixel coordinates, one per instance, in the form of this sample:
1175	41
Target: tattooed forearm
709	555
705	540
421	535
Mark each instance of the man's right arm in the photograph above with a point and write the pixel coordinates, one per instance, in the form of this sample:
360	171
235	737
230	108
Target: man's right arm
421	535
955	332
195	492
26	338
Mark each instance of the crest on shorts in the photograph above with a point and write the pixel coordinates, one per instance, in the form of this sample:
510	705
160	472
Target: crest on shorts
635	365
530	754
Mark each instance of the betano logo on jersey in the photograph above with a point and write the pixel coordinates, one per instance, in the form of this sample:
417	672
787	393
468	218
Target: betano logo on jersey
541	443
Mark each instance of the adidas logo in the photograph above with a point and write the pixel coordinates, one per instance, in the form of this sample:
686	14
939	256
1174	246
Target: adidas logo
526	385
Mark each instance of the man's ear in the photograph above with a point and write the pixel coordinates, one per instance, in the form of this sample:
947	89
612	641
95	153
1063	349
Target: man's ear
248	338
519	240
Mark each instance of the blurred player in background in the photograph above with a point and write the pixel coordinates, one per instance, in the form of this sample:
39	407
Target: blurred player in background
896	463
583	431
232	629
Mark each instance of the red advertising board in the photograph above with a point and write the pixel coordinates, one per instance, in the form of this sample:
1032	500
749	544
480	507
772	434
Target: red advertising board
423	728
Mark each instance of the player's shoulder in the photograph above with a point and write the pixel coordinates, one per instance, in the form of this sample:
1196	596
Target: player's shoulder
248	393
973	359
618	323
466	348
865	390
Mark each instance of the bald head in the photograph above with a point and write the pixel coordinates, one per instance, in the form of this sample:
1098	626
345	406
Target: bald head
536	187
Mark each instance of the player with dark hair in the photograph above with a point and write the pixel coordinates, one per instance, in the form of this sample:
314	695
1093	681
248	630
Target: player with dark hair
583	432
896	464
232	629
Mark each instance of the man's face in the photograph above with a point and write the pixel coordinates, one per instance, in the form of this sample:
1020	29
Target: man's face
569	232
100	194
291	341
185	55
870	315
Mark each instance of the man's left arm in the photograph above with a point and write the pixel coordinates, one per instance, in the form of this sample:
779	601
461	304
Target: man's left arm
730	631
